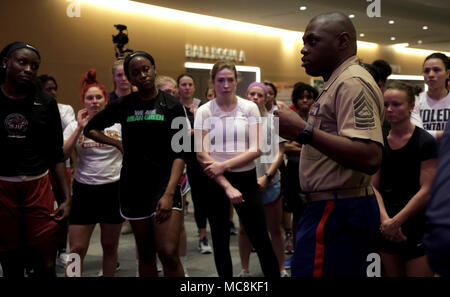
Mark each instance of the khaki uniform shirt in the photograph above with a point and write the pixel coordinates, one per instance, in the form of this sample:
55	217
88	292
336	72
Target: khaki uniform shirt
350	105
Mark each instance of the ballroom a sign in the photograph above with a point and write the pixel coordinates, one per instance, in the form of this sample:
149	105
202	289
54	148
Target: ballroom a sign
214	53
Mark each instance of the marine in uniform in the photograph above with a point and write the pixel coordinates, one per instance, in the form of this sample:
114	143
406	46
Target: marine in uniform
342	146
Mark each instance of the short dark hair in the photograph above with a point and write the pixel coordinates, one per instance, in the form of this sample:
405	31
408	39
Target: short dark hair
183	75
373	70
299	89
441	57
384	69
134	55
43	78
275	91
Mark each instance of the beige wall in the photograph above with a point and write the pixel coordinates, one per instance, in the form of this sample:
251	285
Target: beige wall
70	46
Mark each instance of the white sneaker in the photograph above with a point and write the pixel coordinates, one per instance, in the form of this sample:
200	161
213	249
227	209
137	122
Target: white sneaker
244	273
203	246
284	273
100	273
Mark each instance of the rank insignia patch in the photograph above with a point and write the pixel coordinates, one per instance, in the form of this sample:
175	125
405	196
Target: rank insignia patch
363	109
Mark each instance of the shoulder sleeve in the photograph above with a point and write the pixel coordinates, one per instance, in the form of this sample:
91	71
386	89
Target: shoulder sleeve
415	114
55	152
253	113
358	111
105	118
69	130
428	146
202	117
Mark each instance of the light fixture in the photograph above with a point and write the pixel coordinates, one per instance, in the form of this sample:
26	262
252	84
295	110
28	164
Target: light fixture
362	35
425	27
303	7
393	38
391	22
419	41
352	16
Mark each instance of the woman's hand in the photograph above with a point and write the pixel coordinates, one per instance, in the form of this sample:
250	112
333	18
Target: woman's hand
234	195
82	117
164	208
63	211
263	181
391	230
214	169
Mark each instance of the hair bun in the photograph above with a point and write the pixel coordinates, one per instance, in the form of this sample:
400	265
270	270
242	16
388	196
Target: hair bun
91	77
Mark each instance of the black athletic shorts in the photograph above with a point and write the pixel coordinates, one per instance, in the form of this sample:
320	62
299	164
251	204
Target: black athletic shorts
139	196
413	246
93	204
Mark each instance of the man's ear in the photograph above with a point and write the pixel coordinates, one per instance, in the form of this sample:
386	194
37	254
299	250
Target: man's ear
343	40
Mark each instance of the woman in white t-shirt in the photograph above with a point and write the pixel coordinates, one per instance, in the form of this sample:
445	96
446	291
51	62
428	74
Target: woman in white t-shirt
227	143
268	180
432	108
96	179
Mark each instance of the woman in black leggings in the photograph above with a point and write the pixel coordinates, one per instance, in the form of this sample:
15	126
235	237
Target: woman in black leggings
227	142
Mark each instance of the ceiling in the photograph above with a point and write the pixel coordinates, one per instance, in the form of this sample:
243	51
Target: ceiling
409	16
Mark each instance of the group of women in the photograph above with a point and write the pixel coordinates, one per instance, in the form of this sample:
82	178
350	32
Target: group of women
111	150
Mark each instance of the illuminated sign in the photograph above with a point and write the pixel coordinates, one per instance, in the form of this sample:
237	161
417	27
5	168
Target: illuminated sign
214	53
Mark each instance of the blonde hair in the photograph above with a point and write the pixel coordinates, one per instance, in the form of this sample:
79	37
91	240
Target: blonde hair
161	79
116	64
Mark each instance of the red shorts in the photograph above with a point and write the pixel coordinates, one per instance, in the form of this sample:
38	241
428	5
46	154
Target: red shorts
25	209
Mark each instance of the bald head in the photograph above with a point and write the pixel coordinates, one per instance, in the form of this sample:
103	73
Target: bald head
338	23
329	40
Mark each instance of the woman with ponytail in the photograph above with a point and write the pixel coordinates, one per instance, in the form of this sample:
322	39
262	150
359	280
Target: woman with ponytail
30	148
432	108
96	178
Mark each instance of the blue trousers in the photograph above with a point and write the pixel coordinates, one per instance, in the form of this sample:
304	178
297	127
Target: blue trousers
335	237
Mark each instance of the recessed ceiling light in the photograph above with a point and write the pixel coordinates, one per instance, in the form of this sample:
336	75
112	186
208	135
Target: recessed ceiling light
393	38
362	35
425	27
391	22
351	16
419	41
303	7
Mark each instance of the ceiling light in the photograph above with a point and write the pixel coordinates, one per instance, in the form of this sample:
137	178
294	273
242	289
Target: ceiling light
393	38
351	16
425	27
303	7
362	35
391	22
419	41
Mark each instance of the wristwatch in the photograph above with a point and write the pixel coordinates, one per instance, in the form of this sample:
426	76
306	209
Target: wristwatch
305	137
269	177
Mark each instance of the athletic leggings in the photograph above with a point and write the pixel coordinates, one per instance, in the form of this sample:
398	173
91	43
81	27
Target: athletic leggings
251	212
197	180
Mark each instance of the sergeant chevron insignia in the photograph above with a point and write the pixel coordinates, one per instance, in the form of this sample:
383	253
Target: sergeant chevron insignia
363	110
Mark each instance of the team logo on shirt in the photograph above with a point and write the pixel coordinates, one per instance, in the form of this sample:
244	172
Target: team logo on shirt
16	124
148	115
363	109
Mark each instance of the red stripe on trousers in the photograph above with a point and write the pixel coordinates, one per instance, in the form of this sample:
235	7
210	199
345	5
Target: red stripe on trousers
320	245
